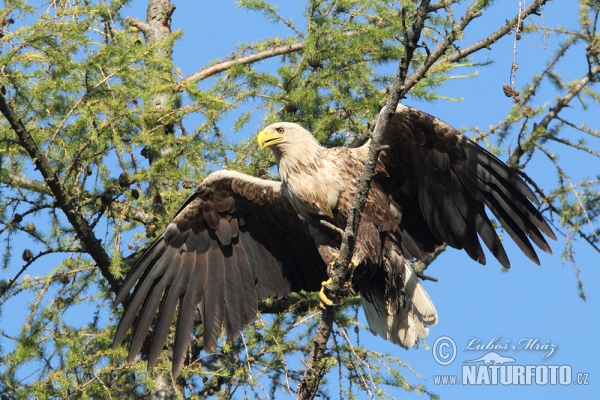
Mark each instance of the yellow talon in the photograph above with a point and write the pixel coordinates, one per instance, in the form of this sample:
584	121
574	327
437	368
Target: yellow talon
334	258
354	263
325	301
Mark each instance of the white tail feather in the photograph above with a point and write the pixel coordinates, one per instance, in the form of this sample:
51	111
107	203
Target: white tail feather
402	325
418	296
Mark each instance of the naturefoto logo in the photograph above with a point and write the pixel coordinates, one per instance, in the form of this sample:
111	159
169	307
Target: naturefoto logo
494	368
492	358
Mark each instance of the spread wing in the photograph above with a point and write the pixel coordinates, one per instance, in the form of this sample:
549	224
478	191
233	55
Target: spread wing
234	242
442	182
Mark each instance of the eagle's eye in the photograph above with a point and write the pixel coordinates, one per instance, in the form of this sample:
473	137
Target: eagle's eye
279	130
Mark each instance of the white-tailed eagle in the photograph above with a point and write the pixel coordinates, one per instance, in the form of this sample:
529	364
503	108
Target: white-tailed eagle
238	240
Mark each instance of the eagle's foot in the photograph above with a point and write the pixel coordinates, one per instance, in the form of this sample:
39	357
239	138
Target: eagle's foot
324	294
326	291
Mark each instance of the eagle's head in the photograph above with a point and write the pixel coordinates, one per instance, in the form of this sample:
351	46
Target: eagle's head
283	135
291	143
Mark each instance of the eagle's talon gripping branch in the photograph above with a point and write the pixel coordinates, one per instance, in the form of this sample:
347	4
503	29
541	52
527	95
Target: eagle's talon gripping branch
326	290
323	294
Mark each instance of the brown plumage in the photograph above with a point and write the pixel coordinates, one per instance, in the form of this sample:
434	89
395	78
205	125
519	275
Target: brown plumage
238	240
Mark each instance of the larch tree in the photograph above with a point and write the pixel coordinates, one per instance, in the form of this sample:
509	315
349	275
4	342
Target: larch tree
102	139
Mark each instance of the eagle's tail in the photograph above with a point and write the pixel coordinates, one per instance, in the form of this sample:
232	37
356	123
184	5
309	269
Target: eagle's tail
398	308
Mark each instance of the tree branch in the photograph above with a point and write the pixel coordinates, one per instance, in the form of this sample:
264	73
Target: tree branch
25	183
541	128
442	4
249	59
142	26
261	55
134	213
473	12
316	365
63	200
494	37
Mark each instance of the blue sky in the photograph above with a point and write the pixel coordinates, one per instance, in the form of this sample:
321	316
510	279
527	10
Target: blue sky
474	302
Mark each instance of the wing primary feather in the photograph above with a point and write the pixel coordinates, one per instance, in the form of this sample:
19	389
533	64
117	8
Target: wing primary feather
519	237
167	307
484	157
278	286
272	275
142	291
256	267
282	263
148	310
517	201
214	304
185	317
248	285
432	211
234	295
512	220
489	236
453	206
155	250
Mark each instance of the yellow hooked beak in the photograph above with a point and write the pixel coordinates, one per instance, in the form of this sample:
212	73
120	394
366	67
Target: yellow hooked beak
268	138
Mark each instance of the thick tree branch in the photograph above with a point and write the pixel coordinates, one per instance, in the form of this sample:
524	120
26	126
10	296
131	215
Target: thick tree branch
63	200
316	365
157	31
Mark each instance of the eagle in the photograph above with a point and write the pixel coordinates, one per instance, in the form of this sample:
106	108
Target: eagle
238	240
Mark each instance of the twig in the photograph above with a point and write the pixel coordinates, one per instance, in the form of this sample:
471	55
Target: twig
366	365
542	127
445	4
331	226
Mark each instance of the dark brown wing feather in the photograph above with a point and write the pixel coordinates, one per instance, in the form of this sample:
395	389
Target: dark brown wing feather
441	181
234	242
